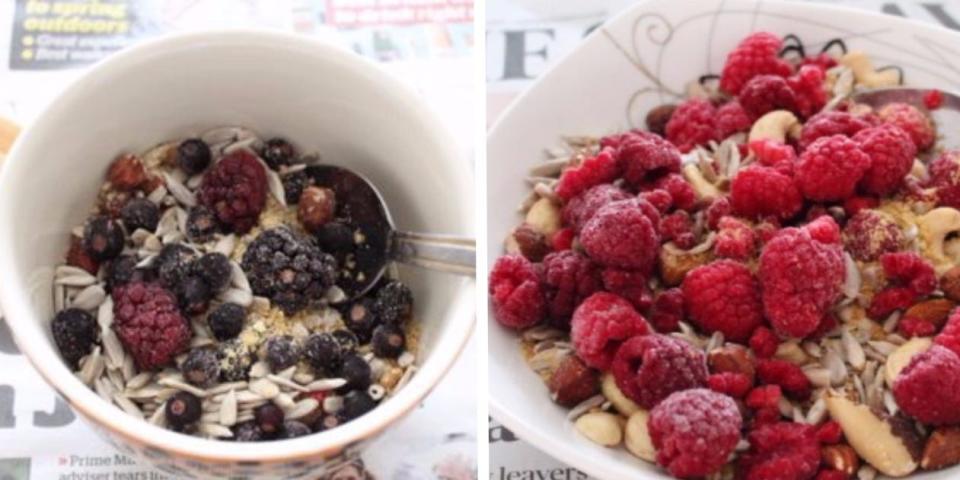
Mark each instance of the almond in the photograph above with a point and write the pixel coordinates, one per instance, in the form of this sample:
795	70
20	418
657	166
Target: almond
934	311
841	457
732	358
612	392
950	283
675	263
636	437
544	217
872	437
573	382
126	173
942	449
900	357
601	428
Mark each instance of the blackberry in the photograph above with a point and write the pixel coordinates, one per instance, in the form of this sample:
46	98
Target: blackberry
103	238
173	264
201	224
294	429
281	352
269	418
75	332
193	156
356	371
278	151
394	302
355	404
247	432
215	270
201	367
335	236
324	352
388	341
226	321
183	408
347	340
123	270
140	213
193	295
293	185
289	270
361	319
235	360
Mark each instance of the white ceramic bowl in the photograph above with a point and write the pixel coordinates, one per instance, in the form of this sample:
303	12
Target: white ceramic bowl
321	97
608	84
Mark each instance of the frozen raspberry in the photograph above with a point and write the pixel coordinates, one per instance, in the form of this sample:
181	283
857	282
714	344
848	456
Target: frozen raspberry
148	322
830	123
759	191
694	432
871	233
830	167
603	168
568	278
668	311
933	99
601	324
755	55
826	326
516	293
765	93
735	385
781	451
678	228
629	284
563	239
945	178
775	154
766	396
928	388
622	234
732	118
829	432
824	229
764	342
580	208
949	336
916	123
911	270
718	209
808	88
800	279
891	157
692	124
645	156
788	376
660	199
890	300
682	195
822	60
831	475
649	368
235	188
723	296
765	416
853	205
735	239
909	327
766	229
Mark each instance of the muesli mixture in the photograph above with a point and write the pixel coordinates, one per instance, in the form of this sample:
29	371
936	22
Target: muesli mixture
760	285
210	290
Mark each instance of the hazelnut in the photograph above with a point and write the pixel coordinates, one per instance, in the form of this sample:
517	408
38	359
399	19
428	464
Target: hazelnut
950	284
573	382
658	117
732	358
126	173
675	263
531	243
841	457
942	449
316	207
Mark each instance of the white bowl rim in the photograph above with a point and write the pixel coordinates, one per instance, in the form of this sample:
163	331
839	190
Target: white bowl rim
561	448
17	306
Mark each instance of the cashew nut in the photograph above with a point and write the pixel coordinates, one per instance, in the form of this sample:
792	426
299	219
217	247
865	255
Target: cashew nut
775	125
609	388
544	217
704	189
601	428
865	74
934	226
636	437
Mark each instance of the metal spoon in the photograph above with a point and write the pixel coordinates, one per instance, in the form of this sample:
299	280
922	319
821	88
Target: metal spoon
947	114
376	241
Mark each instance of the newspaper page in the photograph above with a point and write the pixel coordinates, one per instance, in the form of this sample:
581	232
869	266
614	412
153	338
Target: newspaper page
524	37
44	44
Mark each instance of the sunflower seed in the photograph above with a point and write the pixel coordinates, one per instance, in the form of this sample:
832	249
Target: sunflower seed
77	280
158	418
112	346
854	352
303	407
220	137
276	186
166	393
583	407
798	416
228	409
716	340
542	332
325	384
69	271
265	388
215	430
247	396
890	403
127	368
819	377
146	262
176	383
335	295
817	412
890	324
181	215
279	380
226	387
92	367
551	168
853	280
259	369
882	347
226	244
240	297
834	363
179	190
127	406
812	348
140	380
59	298
104	388
284	401
143	393
303	378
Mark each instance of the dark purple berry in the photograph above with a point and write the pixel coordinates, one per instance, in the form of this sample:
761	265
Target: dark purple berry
355	404
388	341
247	432
103	238
173	264
75	333
226	321
140	213
201	224
336	237
201	367
394	302
193	295
183	408
193	156
356	371
361	319
277	152
282	352
288	269
214	268
294	429
269	418
293	185
324	352
123	270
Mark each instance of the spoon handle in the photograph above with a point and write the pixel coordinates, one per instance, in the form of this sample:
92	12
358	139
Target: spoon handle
445	253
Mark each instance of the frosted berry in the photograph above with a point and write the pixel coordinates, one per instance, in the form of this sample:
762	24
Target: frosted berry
182	409
201	367
601	324
830	168
356	371
214	269
781	451
288	269
149	324
515	292
765	93
282	352
193	156
755	55
682	195
667	311
732	119
388	341
693	123
735	239
355	404
568	278
394	302
871	233
593	171
103	238
226	321
724	296
788	376
645	156
324	352
140	213
649	368
891	155
581	208
202	223
75	332
764	342
759	191
277	152
928	388
621	234
235	189
694	431
912	120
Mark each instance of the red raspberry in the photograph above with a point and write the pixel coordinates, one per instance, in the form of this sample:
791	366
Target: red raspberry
765	93
913	121
945	177
949	337
600	325
910	269
928	388
764	342
910	327
148	322
759	191
826	325
871	233
563	239
853	205
822	60
767	229
755	55
603	168
824	229
580	208
732	118
933	99
830	123
692	124
516	293
678	228
623	234
829	432
735	385
831	475
830	167
723	296
771	153
891	157
781	451
766	396
735	240
568	278
631	285
800	279
649	368
681	192
667	312
646	156
694	432
660	199
890	300
807	85
235	188
765	416
788	376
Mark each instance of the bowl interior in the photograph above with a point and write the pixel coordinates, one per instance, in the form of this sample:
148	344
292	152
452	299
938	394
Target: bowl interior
640	59
321	98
